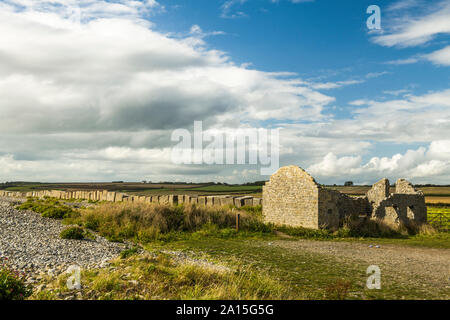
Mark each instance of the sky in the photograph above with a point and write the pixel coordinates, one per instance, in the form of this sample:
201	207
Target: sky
93	90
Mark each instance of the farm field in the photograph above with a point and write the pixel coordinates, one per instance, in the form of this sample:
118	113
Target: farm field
439	217
135	188
433	194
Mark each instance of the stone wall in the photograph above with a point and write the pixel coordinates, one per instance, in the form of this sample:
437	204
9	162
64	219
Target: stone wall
403	186
291	197
329	211
405	205
379	191
104	195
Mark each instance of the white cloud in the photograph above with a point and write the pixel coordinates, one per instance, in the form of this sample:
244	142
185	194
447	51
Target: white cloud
334	85
421	118
420	165
99	96
440	57
403	61
399	92
412	31
228	10
197	31
118	74
231	9
331	165
440	150
402	5
371	75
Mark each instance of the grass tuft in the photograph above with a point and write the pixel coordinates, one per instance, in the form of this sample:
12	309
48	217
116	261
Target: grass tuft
48	208
74	233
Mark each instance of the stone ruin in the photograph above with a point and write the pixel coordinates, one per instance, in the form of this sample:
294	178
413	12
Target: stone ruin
292	197
406	204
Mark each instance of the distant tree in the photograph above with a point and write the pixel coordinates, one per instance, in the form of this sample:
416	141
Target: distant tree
348	183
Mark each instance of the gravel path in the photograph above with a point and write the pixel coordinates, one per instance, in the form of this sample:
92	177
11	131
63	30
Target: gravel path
32	244
428	268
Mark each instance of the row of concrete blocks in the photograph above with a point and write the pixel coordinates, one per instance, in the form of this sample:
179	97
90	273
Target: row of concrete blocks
104	195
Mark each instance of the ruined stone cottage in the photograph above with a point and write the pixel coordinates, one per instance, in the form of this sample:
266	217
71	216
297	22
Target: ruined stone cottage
292	197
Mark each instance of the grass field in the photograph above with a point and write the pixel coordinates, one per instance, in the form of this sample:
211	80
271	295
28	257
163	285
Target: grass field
439	217
308	274
195	253
217	268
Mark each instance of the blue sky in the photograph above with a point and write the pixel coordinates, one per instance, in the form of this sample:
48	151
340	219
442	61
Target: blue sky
93	89
318	40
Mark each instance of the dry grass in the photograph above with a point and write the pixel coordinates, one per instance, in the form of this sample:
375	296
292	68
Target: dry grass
435	200
147	222
160	277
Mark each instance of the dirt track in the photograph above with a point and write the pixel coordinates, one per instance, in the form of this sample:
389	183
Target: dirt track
427	268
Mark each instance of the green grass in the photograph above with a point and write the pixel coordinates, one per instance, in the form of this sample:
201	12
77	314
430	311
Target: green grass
129	252
440	240
74	233
307	275
49	208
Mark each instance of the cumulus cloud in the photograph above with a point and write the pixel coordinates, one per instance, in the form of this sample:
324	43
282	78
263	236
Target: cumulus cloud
95	85
94	76
417	165
422	118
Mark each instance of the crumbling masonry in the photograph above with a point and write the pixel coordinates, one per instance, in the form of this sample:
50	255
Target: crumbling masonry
292	197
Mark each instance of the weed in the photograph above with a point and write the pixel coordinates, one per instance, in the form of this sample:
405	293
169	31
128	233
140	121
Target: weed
129	252
12	284
74	233
338	290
